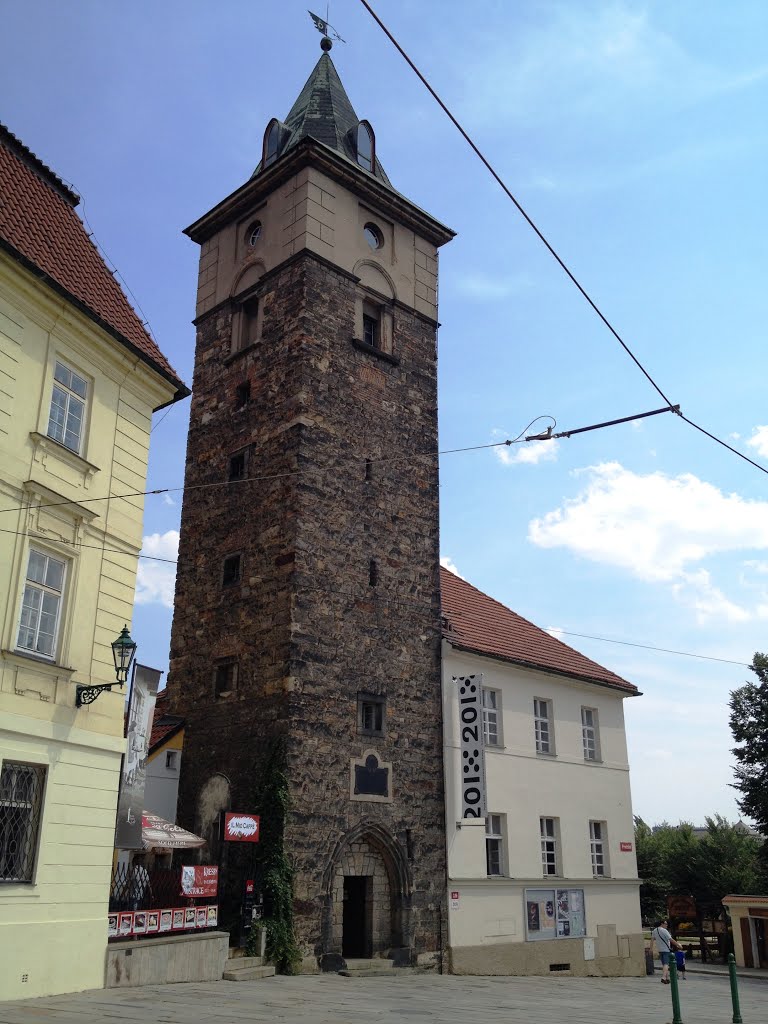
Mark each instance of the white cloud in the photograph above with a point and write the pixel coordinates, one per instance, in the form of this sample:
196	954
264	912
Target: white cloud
447	563
660	529
556	632
155	581
529	453
168	500
759	440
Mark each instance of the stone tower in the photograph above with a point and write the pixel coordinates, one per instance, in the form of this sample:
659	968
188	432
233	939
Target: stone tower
307	597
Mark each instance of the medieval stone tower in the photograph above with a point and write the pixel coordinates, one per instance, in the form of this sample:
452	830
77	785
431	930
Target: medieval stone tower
307	599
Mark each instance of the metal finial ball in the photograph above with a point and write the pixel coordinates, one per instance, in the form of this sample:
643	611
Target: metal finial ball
325	44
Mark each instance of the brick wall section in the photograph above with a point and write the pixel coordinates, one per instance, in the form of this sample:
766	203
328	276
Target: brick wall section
310	630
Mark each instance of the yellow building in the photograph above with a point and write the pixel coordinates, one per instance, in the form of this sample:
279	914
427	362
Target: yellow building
79	380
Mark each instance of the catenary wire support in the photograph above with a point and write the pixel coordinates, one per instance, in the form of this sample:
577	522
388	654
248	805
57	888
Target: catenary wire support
548	435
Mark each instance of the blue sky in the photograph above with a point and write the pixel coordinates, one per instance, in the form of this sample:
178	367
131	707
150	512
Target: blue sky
635	135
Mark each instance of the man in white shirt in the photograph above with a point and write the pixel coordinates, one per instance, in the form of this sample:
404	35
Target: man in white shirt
664	945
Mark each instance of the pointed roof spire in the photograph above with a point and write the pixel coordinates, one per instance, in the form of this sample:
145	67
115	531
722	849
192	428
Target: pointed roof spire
324	112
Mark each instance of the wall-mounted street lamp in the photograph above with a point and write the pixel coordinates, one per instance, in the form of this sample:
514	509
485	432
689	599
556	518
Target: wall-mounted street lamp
123	650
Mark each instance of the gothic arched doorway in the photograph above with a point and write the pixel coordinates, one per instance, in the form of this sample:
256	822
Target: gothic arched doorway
368	894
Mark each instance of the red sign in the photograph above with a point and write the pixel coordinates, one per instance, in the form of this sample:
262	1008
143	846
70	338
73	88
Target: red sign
200	880
454	895
241	828
625	847
249	885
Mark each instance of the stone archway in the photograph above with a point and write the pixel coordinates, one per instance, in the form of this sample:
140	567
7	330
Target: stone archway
367	896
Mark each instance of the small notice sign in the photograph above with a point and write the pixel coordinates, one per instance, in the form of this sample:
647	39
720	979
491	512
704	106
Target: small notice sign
625	847
241	828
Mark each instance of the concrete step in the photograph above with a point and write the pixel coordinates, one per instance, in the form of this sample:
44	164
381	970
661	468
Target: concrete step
248	973
236	962
376	972
376	961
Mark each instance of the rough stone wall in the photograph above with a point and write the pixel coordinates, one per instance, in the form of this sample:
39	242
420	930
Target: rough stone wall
308	627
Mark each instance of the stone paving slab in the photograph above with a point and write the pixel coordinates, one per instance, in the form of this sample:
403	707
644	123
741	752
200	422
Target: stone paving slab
330	999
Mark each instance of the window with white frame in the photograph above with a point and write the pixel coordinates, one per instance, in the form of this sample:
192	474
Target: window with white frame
598	848
41	604
67	416
542	716
491	717
21	803
590	734
550	846
494	844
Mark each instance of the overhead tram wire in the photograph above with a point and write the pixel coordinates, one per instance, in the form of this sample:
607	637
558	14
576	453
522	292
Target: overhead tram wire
545	242
646	647
545	436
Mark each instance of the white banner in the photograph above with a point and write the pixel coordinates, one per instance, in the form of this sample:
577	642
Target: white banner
470	695
130	803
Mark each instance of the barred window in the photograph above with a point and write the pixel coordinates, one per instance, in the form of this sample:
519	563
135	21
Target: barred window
41	604
21	801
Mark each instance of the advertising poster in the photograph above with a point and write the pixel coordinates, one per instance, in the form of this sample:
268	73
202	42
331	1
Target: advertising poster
125	925
201	917
200	880
166	920
189	917
111	926
153	921
533	917
178	920
131	797
563	911
213	916
563	928
547	911
139	922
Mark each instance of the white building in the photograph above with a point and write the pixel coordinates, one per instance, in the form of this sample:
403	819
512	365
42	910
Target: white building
547	881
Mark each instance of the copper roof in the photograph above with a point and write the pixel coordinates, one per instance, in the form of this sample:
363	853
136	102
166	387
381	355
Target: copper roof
473	621
39	227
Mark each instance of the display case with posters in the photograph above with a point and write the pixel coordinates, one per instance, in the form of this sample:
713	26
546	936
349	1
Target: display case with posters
554	914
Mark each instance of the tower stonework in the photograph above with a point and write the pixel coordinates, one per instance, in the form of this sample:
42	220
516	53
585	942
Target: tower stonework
307	596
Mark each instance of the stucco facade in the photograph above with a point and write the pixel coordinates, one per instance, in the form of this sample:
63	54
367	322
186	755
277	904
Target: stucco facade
488	923
67	576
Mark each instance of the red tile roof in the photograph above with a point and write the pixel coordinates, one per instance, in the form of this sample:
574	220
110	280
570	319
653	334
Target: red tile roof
39	226
163	726
472	621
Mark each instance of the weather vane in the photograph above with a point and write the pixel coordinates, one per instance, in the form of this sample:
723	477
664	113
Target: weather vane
324	27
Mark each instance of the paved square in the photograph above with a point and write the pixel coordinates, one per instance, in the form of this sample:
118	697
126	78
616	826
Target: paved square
330	999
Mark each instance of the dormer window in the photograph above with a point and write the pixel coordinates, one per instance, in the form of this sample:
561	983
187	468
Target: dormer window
365	146
271	143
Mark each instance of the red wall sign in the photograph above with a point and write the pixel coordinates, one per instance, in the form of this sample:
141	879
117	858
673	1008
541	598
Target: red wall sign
241	828
200	880
625	847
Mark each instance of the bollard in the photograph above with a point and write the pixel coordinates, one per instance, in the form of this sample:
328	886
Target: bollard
734	989
674	985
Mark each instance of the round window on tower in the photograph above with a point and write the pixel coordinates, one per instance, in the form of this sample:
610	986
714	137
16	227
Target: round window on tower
373	236
254	232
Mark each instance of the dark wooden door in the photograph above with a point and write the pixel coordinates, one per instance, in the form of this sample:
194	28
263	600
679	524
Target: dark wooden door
355	940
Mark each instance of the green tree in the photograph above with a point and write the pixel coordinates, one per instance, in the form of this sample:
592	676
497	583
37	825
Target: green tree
749	725
651	868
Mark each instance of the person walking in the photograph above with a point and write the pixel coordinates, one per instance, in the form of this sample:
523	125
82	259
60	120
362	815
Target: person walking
664	944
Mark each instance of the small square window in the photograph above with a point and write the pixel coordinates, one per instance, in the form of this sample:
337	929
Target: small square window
242	394
370	714
172	760
237	466
231	571
225	679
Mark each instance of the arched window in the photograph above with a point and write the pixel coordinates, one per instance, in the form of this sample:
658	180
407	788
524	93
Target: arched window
271	142
365	146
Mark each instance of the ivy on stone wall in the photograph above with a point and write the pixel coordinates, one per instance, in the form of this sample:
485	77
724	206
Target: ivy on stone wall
272	801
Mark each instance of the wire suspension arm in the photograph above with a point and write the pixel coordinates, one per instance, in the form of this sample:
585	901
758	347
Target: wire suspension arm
613	423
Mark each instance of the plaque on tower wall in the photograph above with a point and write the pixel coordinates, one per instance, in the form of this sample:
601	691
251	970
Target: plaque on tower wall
472	768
